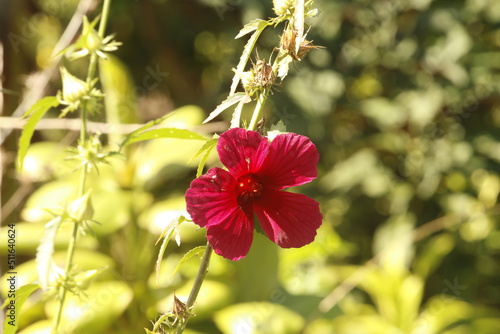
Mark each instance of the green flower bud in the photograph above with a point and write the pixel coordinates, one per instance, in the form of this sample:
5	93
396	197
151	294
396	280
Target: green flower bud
73	89
93	42
81	209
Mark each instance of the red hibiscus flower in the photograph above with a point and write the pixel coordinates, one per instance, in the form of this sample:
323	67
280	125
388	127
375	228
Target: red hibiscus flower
224	201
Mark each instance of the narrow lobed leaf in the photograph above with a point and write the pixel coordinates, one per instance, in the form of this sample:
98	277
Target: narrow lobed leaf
167	235
247	51
210	146
251	26
195	251
163	247
35	113
163	133
235	121
44	251
231	100
143	128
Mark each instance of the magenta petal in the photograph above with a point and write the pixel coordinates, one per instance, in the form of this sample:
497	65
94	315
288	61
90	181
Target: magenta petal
210	199
288	219
233	237
241	151
291	161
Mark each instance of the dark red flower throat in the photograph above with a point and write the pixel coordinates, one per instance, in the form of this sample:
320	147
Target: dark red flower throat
248	187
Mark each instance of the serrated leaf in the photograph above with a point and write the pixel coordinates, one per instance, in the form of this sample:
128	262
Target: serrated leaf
44	252
235	121
231	100
195	251
21	295
143	128
35	113
247	51
207	148
167	235
203	160
163	133
251	26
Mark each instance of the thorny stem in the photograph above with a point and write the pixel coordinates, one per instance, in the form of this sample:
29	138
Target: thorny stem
202	272
83	177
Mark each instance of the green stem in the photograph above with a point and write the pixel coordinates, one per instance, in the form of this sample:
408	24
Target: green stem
202	272
83	179
258	109
102	27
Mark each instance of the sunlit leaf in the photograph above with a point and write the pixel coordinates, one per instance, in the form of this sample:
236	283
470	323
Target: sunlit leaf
163	133
166	235
236	119
247	51
258	318
44	262
10	324
143	128
195	251
251	26
103	304
207	148
35	113
231	100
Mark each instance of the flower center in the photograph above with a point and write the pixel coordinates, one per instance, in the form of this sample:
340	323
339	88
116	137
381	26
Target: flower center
248	187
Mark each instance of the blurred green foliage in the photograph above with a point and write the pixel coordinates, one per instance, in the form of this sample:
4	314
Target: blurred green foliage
403	103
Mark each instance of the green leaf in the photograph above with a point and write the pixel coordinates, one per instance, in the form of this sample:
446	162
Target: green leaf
207	148
21	295
232	99
106	302
195	251
166	235
247	51
203	160
45	250
164	133
259	318
143	128
35	113
235	121
251	26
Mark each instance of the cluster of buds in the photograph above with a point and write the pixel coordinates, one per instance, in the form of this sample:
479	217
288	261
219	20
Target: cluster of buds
260	77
